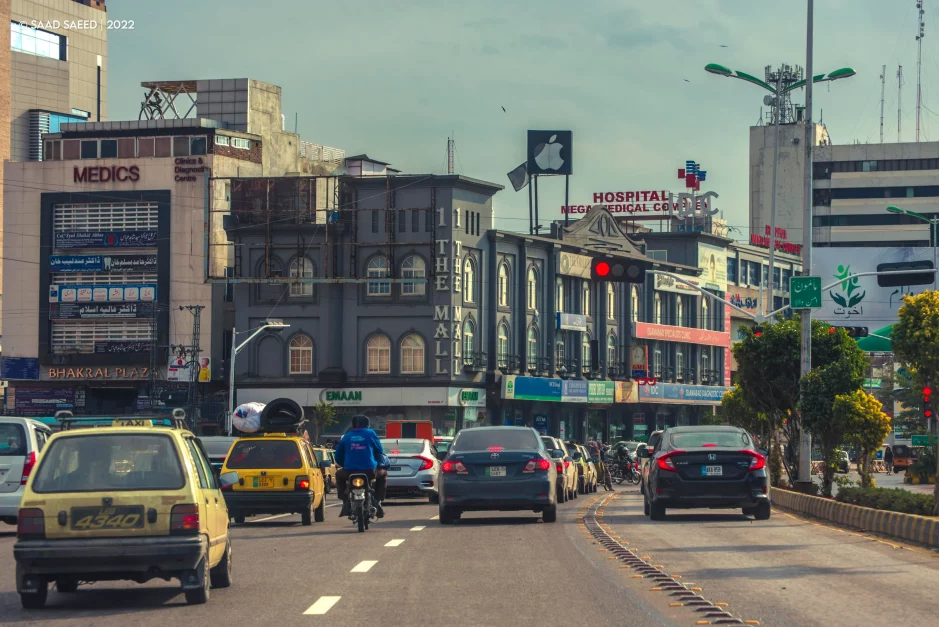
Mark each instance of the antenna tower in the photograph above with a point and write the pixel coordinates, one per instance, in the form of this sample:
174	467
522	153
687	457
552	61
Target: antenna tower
919	63
449	155
782	78
883	86
899	99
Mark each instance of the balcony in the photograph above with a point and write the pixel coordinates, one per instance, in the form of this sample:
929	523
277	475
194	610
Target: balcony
509	364
539	366
475	362
568	367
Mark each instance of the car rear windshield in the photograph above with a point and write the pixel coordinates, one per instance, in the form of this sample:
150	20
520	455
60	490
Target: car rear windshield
12	440
482	439
109	463
394	447
902	450
695	439
217	448
277	454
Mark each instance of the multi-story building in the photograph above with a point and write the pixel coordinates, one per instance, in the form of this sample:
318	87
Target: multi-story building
111	246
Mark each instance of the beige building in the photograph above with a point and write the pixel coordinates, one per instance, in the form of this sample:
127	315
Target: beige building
111	244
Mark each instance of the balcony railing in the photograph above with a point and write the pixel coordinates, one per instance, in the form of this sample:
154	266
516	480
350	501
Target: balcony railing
508	363
317	152
569	367
539	366
475	362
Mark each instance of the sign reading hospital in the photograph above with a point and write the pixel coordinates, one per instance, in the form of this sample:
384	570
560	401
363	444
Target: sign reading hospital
650	204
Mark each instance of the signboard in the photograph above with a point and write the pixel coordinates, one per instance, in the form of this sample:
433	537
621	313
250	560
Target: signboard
550	152
572	322
42	401
103	263
625	392
574	391
861	301
744	297
665	283
106	239
532	389
19	368
920	440
649	331
122	347
639	361
83	373
94	311
102	293
570	264
540	422
472	397
648	204
713	260
179	369
805	292
781	241
682	394
601	392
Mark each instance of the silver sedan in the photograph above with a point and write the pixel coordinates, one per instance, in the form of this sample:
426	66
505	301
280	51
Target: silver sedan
414	466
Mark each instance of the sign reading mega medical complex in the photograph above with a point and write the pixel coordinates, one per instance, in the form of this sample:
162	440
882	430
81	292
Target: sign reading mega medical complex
650	204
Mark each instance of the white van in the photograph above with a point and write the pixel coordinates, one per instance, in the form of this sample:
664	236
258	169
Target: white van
21	440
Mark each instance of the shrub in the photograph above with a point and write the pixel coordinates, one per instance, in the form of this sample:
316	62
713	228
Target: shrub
894	500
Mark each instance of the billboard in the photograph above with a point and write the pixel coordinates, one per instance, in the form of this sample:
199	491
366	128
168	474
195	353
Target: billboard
103	263
713	260
860	301
550	152
103	293
109	239
95	311
649	331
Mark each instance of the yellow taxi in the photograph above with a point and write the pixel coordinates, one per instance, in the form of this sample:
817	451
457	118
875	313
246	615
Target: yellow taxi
134	500
277	474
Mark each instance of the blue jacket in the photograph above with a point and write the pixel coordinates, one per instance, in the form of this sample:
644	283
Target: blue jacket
359	449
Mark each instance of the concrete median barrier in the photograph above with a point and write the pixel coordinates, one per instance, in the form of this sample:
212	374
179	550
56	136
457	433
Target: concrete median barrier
909	527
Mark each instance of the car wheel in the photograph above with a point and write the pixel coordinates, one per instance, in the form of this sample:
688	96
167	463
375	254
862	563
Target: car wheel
328	487
645	506
550	514
66	586
35	600
763	511
448	516
306	516
220	576
574	493
434	498
200	596
319	514
656	511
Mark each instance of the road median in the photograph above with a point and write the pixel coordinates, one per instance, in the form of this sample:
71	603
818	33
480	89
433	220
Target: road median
909	527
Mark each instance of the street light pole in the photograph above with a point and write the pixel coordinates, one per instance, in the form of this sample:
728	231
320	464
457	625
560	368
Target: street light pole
235	349
772	211
933	232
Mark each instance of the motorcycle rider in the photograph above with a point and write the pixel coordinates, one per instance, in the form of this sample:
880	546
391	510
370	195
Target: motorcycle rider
359	451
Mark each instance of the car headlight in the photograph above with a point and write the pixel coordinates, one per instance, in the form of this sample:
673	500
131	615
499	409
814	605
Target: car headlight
358	482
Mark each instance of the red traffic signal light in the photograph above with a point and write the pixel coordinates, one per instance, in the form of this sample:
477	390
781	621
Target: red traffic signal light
602	268
927	391
619	270
831	330
927	413
757	333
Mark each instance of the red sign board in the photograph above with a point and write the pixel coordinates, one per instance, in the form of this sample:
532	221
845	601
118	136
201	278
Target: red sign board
781	239
648	331
727	355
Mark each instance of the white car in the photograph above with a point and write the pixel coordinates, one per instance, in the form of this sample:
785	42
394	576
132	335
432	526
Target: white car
21	440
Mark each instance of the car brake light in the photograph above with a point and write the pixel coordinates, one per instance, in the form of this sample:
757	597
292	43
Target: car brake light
30	523
454	467
566	463
560	468
708	444
536	464
184	519
665	461
495	449
302	483
758	461
426	464
28	464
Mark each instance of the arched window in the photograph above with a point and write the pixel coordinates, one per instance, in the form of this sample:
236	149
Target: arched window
705	323
679	311
379	355
658	308
412	268
635	304
559	287
559	351
412	355
502	345
610	302
532	289
469	333
585	351
705	364
585	296
301	355
503	285
469	281
378	269
611	350
301	268
532	347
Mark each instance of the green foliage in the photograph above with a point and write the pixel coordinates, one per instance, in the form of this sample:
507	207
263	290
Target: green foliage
925	466
843	482
740	413
324	415
894	500
711	419
865	424
909	394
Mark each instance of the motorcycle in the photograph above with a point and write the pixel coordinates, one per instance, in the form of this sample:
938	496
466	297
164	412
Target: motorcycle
363	509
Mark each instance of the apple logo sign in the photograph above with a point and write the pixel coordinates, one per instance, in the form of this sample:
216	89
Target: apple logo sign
548	156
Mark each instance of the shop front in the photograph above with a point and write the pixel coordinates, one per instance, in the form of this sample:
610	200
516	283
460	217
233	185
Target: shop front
674	405
568	409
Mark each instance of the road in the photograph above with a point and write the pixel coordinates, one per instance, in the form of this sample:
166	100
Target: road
513	569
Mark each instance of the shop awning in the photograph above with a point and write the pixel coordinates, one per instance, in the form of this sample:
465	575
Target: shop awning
878	341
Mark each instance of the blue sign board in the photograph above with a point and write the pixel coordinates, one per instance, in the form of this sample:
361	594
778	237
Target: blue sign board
19	368
640	374
572	322
531	388
106	263
678	393
541	424
102	293
574	391
109	239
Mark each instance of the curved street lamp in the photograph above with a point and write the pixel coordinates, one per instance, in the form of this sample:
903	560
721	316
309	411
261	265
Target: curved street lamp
933	230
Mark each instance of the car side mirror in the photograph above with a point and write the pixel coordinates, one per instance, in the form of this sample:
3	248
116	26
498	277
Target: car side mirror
557	454
644	453
228	478
568	459
325	464
577	457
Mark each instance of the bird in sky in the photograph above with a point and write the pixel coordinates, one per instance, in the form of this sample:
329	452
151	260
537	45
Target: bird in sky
503	110
723	46
686	80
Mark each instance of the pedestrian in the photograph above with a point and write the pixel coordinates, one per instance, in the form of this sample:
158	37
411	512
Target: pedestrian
888	459
604	468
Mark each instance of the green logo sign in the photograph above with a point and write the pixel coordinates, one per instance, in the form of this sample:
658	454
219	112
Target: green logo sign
469	395
850	294
805	292
342	395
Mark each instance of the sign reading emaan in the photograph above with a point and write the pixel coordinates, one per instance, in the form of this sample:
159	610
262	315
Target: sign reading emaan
343	396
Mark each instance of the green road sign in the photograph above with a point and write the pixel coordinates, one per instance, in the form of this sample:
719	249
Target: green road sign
805	292
920	440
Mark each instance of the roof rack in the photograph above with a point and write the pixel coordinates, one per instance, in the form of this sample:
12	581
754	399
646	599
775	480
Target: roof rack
67	420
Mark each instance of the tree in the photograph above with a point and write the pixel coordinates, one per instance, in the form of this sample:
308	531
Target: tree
909	395
324	415
739	413
866	424
915	340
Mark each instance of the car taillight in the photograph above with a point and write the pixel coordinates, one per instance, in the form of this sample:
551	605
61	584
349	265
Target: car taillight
537	464
665	461
302	483
560	468
30	524
28	464
758	461
566	463
426	464
454	467
184	519
708	444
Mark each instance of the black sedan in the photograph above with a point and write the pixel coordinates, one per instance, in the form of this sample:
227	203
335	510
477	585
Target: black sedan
705	467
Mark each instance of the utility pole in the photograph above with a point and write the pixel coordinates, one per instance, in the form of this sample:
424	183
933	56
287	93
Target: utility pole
769	303
883	86
899	100
196	311
919	64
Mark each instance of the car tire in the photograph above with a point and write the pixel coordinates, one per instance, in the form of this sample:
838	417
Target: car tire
66	586
448	516
319	514
328	485
220	576
35	600
434	498
306	516
762	511
574	493
656	511
550	514
239	520
645	506
201	596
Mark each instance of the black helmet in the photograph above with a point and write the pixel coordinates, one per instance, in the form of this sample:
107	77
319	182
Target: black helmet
360	421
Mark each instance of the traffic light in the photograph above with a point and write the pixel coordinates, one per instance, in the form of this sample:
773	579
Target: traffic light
852	331
916	273
619	270
927	404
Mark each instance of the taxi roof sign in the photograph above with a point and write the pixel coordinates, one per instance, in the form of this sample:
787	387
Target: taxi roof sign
132	423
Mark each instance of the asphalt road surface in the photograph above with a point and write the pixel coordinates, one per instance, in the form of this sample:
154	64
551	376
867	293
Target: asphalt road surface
513	569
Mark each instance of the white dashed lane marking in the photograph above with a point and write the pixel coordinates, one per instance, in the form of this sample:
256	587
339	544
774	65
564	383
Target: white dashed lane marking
270	518
364	567
322	605
395	543
435	518
417	528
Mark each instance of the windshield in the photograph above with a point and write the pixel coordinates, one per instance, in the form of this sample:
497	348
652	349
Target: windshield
12	440
248	454
902	450
98	463
397	447
696	439
508	439
217	448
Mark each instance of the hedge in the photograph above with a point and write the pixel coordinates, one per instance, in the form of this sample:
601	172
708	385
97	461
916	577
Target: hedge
894	500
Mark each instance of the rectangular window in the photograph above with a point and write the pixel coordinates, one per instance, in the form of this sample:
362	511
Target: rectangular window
466	227
731	270
181	146
127	148
374	221
776	280
102	217
163	147
90	149
41	43
477	223
402	220
241	142
71	149
222	140
197	145
660	255
415	220
108	148
145	147
786	275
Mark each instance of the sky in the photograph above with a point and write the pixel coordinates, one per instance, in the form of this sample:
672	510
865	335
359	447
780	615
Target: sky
395	78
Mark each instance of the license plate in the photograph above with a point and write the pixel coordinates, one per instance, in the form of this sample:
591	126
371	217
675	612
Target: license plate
712	471
264	482
495	471
358	495
96	518
394	468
